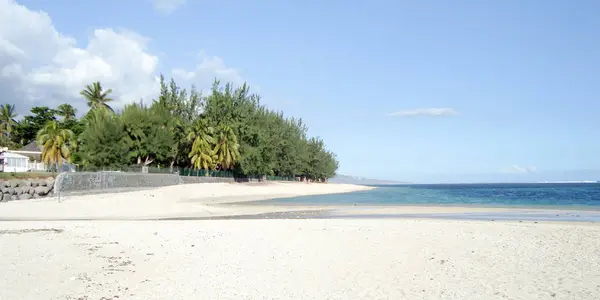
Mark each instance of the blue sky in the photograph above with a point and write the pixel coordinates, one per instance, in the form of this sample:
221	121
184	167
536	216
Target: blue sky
515	83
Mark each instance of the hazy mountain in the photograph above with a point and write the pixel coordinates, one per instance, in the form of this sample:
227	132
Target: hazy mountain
361	180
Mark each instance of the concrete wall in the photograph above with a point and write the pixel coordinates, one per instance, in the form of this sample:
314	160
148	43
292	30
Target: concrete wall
98	182
105	182
71	183
204	179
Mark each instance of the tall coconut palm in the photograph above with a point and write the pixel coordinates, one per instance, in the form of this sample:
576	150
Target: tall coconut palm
227	148
67	111
202	153
56	143
7	118
96	97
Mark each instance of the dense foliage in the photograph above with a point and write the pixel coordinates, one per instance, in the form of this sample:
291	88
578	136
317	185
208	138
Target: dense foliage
227	130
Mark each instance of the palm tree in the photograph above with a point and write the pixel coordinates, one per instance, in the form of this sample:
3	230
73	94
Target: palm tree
96	97
202	153
7	118
67	111
227	148
56	143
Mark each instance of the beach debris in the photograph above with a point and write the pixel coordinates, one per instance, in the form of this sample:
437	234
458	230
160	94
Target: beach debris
23	231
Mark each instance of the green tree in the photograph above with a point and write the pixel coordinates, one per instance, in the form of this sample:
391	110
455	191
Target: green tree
202	153
96	97
7	118
226	148
66	111
148	134
103	142
56	143
177	130
26	131
179	109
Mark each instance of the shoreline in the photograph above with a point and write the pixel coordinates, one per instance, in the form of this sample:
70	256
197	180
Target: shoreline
212	201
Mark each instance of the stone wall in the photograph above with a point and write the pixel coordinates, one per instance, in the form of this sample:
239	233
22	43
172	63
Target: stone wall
16	189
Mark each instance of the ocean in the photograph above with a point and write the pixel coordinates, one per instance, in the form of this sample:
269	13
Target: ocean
551	195
533	201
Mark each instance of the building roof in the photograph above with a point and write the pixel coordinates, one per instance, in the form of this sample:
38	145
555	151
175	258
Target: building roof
13	155
33	147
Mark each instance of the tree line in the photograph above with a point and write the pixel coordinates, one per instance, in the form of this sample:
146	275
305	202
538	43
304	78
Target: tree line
229	129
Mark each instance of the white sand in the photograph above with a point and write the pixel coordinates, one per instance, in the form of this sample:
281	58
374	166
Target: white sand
281	259
299	259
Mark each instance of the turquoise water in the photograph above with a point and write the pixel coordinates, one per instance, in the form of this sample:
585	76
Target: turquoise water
570	195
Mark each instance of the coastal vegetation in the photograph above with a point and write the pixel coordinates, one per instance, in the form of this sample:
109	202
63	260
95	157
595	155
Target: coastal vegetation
226	130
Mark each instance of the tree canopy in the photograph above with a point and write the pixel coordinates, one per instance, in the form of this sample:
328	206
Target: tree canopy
228	129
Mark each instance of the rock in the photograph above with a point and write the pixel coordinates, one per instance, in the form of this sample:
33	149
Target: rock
36	196
42	182
31	190
42	190
4	184
18	190
9	190
34	183
14	183
50	182
1	197
24	197
14	197
6	197
25	183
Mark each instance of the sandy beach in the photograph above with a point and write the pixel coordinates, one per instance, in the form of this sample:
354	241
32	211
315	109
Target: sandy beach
129	258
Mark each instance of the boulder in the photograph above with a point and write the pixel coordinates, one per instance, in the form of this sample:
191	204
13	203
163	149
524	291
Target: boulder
25	183
34	183
42	182
1	197
14	183
24	197
9	190
18	190
6	196
50	182
31	190
42	190
14	197
4	184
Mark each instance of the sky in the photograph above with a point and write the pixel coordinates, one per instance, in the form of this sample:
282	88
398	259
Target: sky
417	91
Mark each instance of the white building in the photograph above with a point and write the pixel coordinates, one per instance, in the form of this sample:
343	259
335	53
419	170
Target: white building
13	162
34	152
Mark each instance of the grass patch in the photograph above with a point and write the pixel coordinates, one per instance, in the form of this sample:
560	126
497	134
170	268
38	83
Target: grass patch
25	175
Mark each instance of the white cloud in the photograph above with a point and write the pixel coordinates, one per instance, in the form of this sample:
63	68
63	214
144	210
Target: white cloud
520	169
205	72
431	112
41	66
167	6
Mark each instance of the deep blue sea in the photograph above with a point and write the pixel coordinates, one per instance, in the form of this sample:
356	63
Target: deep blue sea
549	195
